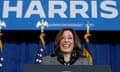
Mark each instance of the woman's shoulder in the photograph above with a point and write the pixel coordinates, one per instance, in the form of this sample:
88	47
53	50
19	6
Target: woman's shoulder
46	58
82	61
49	60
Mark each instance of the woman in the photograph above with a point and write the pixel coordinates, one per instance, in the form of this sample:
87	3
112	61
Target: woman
67	49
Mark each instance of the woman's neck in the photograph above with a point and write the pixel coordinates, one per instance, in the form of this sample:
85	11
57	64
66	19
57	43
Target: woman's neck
67	57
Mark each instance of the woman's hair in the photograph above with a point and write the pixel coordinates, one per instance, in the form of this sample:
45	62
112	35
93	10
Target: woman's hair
77	44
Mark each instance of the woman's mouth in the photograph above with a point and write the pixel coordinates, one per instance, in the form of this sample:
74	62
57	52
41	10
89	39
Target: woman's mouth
66	46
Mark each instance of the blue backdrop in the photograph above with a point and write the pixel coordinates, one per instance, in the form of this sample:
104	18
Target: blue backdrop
24	14
21	47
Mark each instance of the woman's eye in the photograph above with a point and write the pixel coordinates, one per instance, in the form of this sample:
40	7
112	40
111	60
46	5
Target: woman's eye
70	38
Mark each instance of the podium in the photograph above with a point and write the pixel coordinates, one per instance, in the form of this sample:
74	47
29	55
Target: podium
61	68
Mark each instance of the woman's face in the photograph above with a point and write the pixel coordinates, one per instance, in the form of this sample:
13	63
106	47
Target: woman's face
67	42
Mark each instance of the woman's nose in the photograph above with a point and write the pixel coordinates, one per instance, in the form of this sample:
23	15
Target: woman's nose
66	40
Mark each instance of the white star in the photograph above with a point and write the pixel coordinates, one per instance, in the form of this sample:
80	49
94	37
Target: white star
41	49
1	58
40	55
1	65
37	60
40	61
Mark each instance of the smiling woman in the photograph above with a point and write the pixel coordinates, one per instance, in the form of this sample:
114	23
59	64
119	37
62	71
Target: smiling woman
67	49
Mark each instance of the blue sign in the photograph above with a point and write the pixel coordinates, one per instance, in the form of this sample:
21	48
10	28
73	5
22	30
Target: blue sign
25	14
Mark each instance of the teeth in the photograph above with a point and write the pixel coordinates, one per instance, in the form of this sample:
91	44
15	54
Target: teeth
66	46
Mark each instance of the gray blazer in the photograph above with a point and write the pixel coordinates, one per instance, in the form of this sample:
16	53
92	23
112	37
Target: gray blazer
53	61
